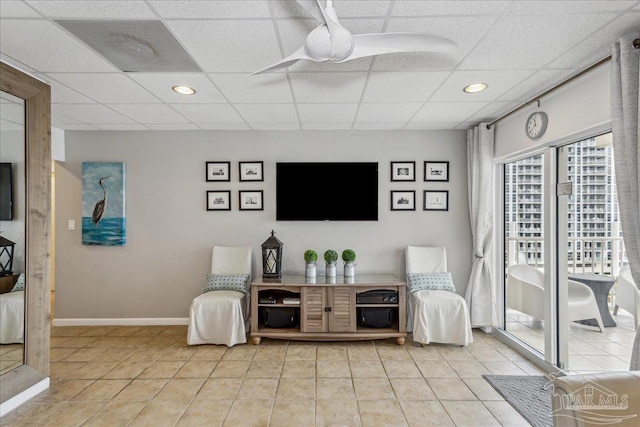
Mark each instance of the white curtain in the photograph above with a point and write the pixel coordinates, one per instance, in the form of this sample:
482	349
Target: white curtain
479	295
625	66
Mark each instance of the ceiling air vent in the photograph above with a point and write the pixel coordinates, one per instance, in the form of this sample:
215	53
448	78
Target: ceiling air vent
133	46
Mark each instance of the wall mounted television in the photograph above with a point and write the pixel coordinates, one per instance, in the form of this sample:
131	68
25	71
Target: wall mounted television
6	192
327	191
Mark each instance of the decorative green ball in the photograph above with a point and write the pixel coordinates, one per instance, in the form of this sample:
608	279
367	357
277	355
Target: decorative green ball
310	255
330	256
348	255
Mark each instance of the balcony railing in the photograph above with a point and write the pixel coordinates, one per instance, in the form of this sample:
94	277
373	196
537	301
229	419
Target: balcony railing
597	255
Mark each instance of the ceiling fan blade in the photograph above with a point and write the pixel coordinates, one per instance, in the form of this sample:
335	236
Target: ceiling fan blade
285	62
379	44
314	9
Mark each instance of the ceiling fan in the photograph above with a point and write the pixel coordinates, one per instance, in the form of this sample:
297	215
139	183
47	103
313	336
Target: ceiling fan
330	41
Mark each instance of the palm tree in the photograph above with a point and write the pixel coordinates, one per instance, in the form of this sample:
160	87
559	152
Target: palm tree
101	205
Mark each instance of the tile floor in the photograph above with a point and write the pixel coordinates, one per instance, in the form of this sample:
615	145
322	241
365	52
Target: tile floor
589	349
148	376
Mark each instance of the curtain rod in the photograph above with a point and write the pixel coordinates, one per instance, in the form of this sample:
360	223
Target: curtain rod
636	44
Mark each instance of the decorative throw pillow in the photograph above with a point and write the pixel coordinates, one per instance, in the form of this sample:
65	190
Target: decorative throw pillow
229	282
19	286
430	281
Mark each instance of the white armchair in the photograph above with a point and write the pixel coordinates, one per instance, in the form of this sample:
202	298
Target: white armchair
222	316
525	293
438	316
628	295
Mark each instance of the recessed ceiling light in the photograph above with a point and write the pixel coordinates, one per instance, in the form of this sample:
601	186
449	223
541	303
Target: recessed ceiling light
475	87
183	90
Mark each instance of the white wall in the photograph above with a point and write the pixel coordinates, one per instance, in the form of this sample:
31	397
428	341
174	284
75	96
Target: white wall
170	233
573	109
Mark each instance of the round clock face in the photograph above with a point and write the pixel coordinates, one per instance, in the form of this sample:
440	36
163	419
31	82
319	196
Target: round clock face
536	125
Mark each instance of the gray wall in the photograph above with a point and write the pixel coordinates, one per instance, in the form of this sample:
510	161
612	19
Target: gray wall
170	233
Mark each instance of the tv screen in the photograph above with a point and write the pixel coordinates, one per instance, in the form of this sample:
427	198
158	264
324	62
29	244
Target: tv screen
6	192
329	191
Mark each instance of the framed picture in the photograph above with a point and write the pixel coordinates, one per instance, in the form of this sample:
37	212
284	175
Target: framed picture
251	171
403	200
403	171
436	200
218	200
103	203
251	200
218	171
436	171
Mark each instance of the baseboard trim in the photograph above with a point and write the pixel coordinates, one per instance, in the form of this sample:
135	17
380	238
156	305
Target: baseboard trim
133	321
23	397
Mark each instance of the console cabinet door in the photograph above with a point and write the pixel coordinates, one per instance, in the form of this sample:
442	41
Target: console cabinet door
342	317
312	318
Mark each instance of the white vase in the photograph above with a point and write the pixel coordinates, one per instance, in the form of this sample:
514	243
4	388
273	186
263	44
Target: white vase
310	269
349	269
331	270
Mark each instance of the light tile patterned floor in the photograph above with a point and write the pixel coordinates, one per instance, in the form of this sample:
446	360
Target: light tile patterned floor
589	349
148	376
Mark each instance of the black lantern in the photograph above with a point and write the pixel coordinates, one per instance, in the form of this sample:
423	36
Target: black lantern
6	256
272	259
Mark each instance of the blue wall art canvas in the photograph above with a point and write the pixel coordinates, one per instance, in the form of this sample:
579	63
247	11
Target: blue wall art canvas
103	204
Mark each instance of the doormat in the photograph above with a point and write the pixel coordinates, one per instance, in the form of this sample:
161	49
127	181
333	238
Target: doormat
530	395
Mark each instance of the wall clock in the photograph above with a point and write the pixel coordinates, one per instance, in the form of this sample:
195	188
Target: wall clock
536	125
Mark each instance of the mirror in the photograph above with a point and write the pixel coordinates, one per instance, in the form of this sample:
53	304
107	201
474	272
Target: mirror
12	231
31	252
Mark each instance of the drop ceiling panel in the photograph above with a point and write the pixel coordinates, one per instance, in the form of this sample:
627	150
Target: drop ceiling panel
223	126
61	94
598	45
172	126
16	9
327	113
361	8
58	118
46	47
161	84
268	113
499	82
326	126
464	31
228	46
431	125
447	111
567	7
492	110
109	88
112	9
529	42
275	126
328	87
386	112
431	8
212	9
402	87
379	126
260	89
208	113
78	127
150	114
124	127
535	84
88	113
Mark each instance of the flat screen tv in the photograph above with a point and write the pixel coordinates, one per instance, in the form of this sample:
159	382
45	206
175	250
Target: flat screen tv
6	192
327	191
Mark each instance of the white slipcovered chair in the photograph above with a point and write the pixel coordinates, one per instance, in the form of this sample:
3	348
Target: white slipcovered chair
439	316
525	293
222	316
628	295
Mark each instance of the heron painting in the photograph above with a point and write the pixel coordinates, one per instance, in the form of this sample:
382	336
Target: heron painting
103	204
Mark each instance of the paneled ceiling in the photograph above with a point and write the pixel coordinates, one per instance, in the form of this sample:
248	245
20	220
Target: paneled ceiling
519	48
